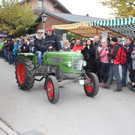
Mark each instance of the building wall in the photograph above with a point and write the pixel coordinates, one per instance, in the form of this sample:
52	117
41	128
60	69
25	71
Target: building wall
50	6
47	4
50	21
34	4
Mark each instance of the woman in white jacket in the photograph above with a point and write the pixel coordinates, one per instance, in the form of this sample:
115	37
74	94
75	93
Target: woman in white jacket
132	72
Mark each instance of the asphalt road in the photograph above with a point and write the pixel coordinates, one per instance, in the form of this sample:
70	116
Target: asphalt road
109	113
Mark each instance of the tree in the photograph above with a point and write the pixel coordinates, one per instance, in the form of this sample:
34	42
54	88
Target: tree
70	35
16	19
122	8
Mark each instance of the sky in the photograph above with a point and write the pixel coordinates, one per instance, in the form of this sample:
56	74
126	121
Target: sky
83	7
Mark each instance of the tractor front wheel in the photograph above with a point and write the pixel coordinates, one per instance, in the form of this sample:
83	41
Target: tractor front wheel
24	72
52	89
92	87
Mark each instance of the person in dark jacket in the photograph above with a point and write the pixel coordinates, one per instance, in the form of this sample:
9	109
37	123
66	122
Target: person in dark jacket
127	66
72	43
25	46
114	66
97	44
132	71
6	50
52	41
39	46
11	47
89	56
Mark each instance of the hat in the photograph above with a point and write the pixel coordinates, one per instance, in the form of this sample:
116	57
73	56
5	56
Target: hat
72	39
40	31
114	39
49	29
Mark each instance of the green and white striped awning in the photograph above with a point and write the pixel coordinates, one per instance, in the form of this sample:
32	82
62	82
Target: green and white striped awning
125	26
115	27
113	22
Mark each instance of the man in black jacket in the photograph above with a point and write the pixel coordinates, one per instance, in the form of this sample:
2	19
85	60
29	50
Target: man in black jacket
97	44
11	47
52	41
73	43
6	50
126	67
25	46
39	46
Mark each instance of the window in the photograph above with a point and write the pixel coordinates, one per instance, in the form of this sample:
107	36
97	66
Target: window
40	3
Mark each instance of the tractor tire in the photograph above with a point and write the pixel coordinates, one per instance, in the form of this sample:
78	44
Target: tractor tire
24	72
52	89
92	88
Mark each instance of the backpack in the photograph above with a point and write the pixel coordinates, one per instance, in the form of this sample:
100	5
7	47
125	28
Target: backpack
122	54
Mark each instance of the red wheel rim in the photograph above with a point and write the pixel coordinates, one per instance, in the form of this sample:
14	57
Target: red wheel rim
89	89
21	73
50	89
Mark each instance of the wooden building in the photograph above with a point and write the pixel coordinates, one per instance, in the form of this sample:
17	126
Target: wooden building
51	5
57	14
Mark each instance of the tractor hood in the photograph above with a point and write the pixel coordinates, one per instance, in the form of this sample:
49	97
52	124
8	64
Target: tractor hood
65	60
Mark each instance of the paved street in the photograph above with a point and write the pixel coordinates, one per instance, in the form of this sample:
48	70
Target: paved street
109	113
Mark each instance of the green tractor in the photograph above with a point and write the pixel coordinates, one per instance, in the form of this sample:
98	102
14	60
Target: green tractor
58	68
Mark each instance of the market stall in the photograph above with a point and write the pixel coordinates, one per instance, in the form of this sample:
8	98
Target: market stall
114	27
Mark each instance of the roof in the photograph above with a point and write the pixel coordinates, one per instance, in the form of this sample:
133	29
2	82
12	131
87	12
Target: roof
72	18
57	4
69	18
61	6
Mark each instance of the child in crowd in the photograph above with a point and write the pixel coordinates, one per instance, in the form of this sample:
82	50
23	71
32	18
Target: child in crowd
66	46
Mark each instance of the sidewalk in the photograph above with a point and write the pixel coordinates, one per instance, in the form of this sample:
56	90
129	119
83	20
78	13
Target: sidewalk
5	129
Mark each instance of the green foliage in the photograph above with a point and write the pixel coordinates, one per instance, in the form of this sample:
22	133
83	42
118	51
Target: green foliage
70	35
16	19
122	8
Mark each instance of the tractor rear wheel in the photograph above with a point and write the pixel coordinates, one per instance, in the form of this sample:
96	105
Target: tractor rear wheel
91	89
24	72
52	89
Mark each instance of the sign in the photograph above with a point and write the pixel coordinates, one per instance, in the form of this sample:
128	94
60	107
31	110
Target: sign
64	36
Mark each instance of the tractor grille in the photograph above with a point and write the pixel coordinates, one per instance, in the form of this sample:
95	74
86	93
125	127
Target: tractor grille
77	64
55	60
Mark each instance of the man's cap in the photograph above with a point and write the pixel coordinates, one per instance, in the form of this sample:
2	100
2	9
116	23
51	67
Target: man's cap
40	31
114	39
49	29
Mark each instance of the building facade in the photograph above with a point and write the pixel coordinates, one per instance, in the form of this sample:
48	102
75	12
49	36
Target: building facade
46	6
51	5
56	13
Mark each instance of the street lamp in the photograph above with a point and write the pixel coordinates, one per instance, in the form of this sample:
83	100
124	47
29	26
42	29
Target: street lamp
44	18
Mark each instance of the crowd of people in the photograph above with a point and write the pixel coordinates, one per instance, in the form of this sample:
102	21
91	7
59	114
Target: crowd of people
102	56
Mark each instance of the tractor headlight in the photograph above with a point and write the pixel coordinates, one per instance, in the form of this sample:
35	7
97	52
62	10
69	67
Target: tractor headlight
69	64
84	63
